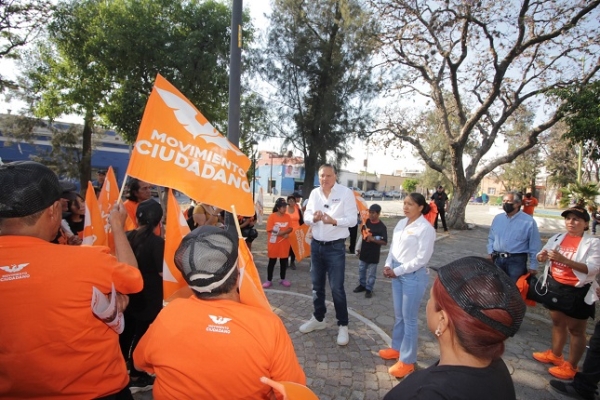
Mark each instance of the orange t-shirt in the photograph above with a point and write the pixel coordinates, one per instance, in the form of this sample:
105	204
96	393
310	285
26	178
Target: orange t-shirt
295	217
281	247
529	205
560	271
52	344
194	346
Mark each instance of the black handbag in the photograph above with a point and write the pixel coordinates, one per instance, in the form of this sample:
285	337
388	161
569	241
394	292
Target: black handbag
555	295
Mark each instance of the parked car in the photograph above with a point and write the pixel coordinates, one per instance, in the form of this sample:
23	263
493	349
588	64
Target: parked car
361	192
393	194
373	193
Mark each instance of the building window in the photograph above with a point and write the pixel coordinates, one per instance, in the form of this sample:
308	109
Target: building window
492	191
350	183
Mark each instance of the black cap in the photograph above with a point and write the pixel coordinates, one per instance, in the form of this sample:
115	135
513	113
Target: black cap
27	188
101	172
67	188
580	212
475	284
297	195
206	257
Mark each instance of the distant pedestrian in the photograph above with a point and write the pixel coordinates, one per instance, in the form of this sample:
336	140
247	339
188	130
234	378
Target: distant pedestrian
297	217
279	226
529	203
374	235
441	201
595	217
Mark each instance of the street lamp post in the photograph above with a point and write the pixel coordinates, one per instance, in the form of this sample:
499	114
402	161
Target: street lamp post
254	146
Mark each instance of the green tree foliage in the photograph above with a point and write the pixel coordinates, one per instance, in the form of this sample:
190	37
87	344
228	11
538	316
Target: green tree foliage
318	57
20	23
582	195
581	111
409	185
560	157
101	59
493	58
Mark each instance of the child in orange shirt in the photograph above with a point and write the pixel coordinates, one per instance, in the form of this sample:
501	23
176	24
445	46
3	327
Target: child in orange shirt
279	226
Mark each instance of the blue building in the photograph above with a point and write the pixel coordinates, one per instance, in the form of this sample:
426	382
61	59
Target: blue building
280	175
108	150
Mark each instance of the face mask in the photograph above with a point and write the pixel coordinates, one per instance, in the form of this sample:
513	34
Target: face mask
508	208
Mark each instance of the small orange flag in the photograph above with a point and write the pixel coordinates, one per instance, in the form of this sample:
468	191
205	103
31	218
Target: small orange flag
431	216
108	197
177	228
94	229
177	147
300	241
251	290
362	206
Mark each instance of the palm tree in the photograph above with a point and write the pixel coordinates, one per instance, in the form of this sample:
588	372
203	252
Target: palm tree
582	195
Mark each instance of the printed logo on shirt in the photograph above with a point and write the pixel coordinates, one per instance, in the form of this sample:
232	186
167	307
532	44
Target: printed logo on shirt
335	201
220	326
14	272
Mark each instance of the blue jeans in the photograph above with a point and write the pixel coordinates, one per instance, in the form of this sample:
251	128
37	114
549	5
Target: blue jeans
329	261
514	266
367	272
407	292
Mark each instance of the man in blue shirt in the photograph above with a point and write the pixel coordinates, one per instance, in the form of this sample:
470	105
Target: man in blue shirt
513	236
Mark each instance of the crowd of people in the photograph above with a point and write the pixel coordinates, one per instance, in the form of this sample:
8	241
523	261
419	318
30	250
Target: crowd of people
474	305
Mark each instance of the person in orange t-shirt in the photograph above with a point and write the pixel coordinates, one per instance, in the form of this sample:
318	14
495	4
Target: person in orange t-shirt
295	214
210	345
279	226
529	204
139	191
53	346
574	264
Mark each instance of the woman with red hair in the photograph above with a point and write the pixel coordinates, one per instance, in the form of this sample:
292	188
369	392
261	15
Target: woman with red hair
473	308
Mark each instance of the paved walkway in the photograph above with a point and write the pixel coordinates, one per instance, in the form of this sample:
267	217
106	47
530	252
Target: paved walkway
355	371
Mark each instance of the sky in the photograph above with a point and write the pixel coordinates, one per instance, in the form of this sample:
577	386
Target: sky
378	160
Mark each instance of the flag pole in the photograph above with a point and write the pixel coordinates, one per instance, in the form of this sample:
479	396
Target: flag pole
123	187
237	223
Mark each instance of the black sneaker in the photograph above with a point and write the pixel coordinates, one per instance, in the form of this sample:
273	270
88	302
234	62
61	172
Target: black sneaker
568	390
368	294
359	288
141	384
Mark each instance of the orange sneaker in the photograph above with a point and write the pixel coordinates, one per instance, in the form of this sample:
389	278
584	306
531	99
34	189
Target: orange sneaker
565	371
400	370
389	354
548	357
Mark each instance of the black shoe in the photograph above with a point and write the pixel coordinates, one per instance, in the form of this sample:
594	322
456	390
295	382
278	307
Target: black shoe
359	288
141	384
567	389
293	266
368	294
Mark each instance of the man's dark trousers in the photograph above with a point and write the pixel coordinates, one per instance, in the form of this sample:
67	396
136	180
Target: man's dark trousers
586	381
442	215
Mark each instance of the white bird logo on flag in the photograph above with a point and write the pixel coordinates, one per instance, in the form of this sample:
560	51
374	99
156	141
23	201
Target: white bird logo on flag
186	115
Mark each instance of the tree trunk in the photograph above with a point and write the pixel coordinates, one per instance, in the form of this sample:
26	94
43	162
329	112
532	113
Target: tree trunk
455	217
310	169
85	168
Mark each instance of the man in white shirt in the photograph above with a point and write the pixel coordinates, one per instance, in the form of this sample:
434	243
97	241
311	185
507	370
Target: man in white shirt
331	210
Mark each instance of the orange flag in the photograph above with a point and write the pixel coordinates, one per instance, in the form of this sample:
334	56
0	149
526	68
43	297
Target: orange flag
177	228
177	147
362	206
251	290
300	240
94	230
109	195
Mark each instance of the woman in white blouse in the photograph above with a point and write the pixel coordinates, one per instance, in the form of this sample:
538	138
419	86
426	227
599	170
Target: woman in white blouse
410	251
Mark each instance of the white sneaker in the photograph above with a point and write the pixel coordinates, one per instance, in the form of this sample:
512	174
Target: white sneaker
343	338
312	325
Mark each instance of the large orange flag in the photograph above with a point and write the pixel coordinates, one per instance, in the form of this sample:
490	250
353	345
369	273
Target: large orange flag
177	147
177	228
251	290
94	230
300	240
108	197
